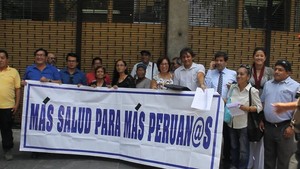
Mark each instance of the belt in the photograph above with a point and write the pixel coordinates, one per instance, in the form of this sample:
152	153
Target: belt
283	123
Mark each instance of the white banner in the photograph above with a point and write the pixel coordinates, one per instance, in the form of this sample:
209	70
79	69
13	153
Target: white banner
152	127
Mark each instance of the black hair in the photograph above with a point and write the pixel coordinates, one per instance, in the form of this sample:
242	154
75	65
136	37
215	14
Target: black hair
187	50
96	58
145	52
99	67
72	55
5	53
178	60
257	49
285	64
221	54
116	74
160	60
41	49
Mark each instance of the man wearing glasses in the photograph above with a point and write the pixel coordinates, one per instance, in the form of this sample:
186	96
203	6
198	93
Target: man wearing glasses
71	74
40	70
278	129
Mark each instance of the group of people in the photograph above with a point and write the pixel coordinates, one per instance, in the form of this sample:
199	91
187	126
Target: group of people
265	85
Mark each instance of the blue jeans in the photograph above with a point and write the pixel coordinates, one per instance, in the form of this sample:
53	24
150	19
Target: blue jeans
239	147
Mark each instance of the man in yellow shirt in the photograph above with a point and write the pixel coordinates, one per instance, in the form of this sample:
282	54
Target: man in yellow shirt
10	83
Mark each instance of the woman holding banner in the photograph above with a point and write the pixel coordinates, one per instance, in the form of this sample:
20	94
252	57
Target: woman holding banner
121	78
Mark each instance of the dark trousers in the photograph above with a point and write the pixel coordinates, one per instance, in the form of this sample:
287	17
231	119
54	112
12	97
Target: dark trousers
278	149
6	122
226	143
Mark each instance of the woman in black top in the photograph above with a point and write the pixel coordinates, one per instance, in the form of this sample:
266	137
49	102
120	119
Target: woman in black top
121	78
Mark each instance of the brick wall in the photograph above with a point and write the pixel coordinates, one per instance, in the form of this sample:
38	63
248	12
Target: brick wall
112	41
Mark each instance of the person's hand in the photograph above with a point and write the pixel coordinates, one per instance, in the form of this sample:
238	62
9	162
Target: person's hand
288	132
280	107
261	126
212	65
203	87
78	85
23	83
44	79
115	86
14	109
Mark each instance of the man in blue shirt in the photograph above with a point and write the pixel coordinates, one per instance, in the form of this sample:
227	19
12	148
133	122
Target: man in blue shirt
71	74
41	71
279	134
216	68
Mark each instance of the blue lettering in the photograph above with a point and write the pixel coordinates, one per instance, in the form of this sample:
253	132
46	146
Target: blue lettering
88	116
188	130
151	125
67	125
98	120
207	138
166	125
141	124
173	130
158	123
50	118
179	139
60	123
34	116
104	123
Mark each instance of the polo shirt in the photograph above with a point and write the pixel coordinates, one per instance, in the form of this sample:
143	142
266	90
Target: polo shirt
9	81
77	78
283	91
188	77
33	73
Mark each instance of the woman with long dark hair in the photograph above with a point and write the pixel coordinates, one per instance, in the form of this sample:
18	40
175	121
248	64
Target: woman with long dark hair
121	78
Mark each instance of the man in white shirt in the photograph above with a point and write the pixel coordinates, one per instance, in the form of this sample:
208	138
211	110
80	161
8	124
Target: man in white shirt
189	74
151	67
216	68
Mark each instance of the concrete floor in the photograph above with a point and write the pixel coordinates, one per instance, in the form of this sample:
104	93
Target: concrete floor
23	160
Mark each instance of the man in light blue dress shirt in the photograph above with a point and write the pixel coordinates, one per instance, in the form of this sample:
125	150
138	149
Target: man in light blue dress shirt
217	67
278	132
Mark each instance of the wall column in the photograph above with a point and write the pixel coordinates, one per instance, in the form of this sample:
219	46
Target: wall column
178	27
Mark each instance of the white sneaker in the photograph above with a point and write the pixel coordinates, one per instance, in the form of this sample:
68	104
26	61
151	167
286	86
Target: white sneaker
8	155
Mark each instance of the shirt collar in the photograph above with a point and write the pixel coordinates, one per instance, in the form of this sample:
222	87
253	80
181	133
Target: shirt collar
283	81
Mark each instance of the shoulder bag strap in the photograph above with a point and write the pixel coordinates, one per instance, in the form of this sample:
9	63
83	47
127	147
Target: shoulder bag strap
250	97
152	70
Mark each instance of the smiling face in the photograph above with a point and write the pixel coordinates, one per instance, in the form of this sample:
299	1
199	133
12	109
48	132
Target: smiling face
242	76
187	60
40	57
164	66
100	73
259	57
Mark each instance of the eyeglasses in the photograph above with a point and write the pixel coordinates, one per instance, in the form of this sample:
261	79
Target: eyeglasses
245	66
120	65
